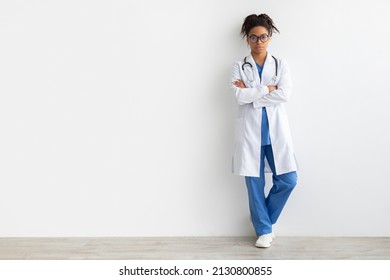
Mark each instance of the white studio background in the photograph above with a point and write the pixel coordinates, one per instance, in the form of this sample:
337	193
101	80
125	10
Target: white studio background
117	120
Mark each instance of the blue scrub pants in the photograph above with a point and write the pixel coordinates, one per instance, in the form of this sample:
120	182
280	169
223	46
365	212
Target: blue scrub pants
264	210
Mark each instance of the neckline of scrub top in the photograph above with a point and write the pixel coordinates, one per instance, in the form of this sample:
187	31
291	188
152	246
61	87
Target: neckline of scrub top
258	65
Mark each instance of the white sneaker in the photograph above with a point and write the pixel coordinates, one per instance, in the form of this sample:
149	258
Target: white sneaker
272	236
264	241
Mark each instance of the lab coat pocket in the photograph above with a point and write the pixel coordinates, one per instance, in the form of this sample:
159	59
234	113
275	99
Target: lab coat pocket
274	81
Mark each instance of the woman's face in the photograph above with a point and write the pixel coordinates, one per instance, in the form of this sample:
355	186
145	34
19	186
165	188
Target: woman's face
258	39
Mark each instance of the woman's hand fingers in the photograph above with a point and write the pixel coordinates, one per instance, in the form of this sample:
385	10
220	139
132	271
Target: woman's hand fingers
239	84
272	88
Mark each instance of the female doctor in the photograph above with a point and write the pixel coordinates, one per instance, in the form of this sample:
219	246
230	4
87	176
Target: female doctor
262	85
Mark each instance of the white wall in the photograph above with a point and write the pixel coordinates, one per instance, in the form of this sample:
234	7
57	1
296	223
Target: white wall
116	117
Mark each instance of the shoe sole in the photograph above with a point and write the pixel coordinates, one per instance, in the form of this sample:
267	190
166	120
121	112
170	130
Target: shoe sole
263	246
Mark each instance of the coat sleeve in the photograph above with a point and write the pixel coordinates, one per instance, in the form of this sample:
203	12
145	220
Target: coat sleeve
282	94
245	95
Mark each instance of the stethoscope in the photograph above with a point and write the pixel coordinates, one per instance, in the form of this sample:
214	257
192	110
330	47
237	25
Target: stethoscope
251	77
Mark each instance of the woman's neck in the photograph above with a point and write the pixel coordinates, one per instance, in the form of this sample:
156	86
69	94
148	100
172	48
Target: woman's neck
259	57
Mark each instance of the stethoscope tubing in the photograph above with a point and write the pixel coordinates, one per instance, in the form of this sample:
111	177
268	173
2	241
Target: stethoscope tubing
250	64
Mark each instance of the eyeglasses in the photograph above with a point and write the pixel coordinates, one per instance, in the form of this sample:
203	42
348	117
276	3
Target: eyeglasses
263	38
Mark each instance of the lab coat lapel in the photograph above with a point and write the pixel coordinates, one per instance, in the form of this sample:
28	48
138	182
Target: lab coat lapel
250	59
268	69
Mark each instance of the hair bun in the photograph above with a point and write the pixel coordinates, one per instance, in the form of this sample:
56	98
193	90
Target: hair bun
267	18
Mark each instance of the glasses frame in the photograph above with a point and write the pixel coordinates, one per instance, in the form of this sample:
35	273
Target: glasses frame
258	38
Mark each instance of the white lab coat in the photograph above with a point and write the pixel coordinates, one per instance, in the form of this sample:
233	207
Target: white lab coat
247	136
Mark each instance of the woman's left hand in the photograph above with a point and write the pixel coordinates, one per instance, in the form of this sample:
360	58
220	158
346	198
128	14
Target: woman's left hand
239	84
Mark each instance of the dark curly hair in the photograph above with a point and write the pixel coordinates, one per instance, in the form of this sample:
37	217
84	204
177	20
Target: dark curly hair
258	20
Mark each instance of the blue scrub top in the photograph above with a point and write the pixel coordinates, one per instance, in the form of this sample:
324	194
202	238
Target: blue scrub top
265	140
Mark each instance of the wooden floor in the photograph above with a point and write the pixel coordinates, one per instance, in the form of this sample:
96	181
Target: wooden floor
193	248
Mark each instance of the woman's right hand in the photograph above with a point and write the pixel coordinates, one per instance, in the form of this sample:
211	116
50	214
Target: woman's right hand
239	83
